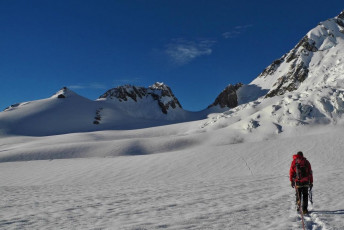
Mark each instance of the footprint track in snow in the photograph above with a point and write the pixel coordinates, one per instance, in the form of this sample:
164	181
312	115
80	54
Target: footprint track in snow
311	221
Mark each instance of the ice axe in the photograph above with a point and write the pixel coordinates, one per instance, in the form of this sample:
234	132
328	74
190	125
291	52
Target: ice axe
310	195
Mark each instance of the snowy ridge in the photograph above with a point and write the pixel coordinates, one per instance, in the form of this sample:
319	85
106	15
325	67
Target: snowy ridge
158	92
288	73
272	116
65	93
150	103
121	108
305	86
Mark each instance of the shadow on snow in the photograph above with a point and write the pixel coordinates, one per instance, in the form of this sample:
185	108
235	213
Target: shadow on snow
337	212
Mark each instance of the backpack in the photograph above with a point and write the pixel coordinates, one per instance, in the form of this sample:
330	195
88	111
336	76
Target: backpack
302	169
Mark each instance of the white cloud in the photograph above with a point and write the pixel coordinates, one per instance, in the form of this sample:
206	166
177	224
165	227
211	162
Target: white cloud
88	86
236	31
231	34
182	52
243	27
127	81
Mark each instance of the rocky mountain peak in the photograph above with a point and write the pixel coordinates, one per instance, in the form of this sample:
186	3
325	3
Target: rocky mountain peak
124	93
64	92
159	92
340	21
289	72
228	97
159	85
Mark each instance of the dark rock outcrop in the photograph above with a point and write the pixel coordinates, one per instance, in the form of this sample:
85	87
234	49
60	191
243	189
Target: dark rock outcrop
290	81
307	44
298	71
123	93
341	15
299	57
272	68
340	20
98	116
62	93
228	97
159	92
12	107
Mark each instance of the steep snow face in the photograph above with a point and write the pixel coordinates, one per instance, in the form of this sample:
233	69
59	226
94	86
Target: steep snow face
305	86
311	57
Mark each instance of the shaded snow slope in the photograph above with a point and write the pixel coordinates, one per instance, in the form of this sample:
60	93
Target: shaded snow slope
47	116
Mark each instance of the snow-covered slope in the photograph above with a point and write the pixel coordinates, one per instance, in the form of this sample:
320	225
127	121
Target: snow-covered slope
312	62
304	86
199	181
57	114
124	107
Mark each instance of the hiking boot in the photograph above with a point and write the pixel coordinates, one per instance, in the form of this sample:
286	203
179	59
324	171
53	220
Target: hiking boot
305	211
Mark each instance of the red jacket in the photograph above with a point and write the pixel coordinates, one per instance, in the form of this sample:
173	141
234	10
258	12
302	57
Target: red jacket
302	161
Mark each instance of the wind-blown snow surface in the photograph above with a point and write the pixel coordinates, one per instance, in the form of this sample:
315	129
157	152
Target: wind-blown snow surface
199	180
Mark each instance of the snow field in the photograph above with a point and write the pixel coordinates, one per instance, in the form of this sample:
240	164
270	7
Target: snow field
213	185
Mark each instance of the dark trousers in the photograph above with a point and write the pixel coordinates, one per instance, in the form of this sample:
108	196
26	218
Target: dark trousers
303	194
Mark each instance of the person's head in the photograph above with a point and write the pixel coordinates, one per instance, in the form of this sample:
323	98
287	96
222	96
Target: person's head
299	153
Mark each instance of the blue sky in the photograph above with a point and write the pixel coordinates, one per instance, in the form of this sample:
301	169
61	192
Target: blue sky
196	47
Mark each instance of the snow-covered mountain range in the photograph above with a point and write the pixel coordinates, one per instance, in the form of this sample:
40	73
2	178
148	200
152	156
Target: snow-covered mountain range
303	86
123	107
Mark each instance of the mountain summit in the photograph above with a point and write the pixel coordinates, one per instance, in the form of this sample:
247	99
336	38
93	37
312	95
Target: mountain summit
317	55
304	86
158	92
